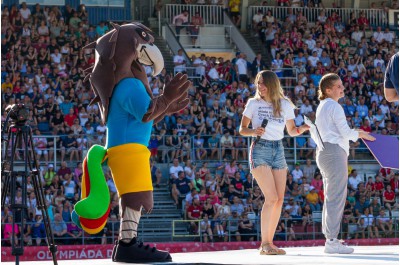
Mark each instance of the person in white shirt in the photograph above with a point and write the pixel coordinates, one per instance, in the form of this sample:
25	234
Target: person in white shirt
213	73
181	21
379	61
297	173
332	158
267	158
241	68
310	42
357	35
179	62
354	180
174	169
379	35
306	108
200	64
25	12
388	36
257	18
313	59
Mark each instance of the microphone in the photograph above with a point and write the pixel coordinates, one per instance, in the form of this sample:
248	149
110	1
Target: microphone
263	124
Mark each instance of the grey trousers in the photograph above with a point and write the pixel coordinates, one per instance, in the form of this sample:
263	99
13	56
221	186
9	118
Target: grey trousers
332	162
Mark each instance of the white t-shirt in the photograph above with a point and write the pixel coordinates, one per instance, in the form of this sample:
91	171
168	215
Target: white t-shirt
179	59
242	66
257	110
175	170
189	173
25	13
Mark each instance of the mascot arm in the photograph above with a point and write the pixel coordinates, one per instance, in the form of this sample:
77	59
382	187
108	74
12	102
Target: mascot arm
175	106
133	98
173	99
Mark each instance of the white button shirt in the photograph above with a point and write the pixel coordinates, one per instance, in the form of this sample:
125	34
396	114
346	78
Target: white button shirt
332	125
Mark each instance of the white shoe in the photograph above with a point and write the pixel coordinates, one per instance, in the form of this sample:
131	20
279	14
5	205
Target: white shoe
336	247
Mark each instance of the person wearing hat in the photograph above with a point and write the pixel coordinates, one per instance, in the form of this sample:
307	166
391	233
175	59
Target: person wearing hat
267	158
332	158
297	173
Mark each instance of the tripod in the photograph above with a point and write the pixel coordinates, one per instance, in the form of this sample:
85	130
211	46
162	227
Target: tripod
21	135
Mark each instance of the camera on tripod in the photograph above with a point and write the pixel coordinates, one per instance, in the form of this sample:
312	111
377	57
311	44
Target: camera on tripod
18	114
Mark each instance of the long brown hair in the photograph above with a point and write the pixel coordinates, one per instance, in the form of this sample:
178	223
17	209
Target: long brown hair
275	91
326	82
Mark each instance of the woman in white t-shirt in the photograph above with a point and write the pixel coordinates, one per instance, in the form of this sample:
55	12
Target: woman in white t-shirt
267	158
332	158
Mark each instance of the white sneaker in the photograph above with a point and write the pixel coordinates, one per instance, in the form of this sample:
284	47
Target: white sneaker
336	247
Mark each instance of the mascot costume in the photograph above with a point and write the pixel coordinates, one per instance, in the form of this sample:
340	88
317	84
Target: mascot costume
129	109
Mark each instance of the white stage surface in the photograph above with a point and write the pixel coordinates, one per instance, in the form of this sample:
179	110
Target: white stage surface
376	255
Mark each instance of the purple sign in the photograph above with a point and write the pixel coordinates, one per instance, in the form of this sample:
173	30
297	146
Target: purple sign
385	149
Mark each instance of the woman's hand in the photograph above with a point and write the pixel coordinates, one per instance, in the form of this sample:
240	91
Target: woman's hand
365	135
304	128
259	131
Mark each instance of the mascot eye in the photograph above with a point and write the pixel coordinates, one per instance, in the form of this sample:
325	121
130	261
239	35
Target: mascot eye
143	34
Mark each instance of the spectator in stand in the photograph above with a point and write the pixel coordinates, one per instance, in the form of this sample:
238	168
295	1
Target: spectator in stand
59	229
246	228
174	170
297	173
194	213
180	187
101	29
309	170
384	223
181	21
389	199
63	170
313	200
354	180
38	230
179	62
293	209
195	24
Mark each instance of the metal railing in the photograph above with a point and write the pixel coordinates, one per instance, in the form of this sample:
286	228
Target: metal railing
205	41
211	14
165	150
180	230
376	17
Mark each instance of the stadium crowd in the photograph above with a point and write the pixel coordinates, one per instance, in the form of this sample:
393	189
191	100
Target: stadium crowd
43	67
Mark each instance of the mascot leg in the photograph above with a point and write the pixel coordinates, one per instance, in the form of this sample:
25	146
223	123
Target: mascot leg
128	248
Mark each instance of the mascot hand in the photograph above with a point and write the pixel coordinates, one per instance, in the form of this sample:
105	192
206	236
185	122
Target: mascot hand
176	88
174	107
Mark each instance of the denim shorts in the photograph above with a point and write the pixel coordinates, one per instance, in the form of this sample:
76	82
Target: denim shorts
269	153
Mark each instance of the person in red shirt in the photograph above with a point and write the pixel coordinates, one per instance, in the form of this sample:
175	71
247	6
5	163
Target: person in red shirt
363	22
194	212
385	171
378	186
389	199
69	118
366	126
370	184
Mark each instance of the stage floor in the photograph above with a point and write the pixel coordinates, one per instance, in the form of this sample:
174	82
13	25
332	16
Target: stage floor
295	256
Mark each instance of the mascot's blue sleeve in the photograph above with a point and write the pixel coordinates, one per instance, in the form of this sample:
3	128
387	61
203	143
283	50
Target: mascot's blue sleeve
129	103
133	97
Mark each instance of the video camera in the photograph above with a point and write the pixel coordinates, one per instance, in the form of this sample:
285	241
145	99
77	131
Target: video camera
18	114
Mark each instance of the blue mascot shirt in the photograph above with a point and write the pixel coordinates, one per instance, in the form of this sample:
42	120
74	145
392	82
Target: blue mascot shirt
129	102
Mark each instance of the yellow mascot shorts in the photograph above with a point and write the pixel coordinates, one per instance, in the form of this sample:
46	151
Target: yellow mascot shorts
130	168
